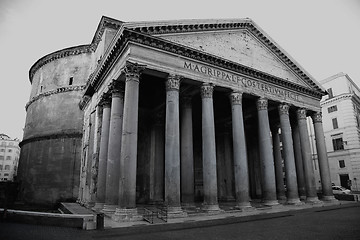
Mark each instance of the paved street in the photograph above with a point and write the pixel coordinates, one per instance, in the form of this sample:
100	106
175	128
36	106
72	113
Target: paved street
335	222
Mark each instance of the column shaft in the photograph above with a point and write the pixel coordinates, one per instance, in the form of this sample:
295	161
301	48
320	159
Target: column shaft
208	149
311	195
172	143
289	159
129	142
280	188
299	162
187	155
103	153
114	149
266	155
241	170
322	158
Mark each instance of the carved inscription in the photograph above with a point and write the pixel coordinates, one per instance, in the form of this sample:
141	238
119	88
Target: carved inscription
242	81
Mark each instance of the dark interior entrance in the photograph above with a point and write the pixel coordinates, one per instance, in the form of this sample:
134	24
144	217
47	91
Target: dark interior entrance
344	180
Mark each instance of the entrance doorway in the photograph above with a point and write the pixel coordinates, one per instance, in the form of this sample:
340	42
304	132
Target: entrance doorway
344	180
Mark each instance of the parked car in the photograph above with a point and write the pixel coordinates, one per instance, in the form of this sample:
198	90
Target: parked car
340	190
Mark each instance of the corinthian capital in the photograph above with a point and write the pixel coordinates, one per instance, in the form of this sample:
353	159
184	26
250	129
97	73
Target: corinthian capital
207	90
133	71
173	82
284	109
317	117
262	104
116	88
301	114
236	98
105	100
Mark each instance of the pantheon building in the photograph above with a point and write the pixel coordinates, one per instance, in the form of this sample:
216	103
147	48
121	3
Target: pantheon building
175	113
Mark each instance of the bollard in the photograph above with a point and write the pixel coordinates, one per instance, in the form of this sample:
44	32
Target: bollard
100	221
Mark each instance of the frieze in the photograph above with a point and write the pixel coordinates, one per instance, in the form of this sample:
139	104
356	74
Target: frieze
284	109
262	104
317	117
301	114
242	81
207	90
236	98
173	82
55	91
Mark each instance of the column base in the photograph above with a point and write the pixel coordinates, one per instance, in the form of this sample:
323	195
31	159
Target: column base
329	199
302	197
109	209
126	215
212	208
271	203
98	207
176	212
294	201
228	199
245	207
313	200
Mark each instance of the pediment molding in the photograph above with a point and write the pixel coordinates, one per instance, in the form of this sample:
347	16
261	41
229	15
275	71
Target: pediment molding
237	24
128	35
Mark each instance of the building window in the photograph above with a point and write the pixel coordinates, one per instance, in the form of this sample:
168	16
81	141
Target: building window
335	123
71	80
8	158
2	150
338	144
332	109
341	163
9	150
1	157
330	93
0	167
7	167
6	174
41	89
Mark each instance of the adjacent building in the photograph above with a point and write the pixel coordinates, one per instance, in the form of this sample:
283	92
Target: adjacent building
341	121
172	112
9	157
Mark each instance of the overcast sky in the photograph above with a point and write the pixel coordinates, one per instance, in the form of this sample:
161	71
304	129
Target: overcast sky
323	36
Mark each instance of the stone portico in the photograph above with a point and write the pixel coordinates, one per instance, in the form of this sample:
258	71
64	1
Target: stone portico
201	111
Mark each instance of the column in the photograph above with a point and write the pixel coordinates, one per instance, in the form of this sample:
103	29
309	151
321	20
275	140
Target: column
208	149
322	158
289	159
299	162
266	155
279	175
157	159
127	189
311	195
228	159
241	170
172	148
187	154
103	153
114	144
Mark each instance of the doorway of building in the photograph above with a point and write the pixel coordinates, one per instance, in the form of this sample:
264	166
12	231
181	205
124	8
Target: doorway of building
344	180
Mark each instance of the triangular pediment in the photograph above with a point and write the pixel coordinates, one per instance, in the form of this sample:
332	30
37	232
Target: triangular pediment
238	46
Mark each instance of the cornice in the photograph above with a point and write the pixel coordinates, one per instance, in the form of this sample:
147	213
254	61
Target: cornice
55	91
71	134
105	22
336	98
128	35
247	24
56	55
